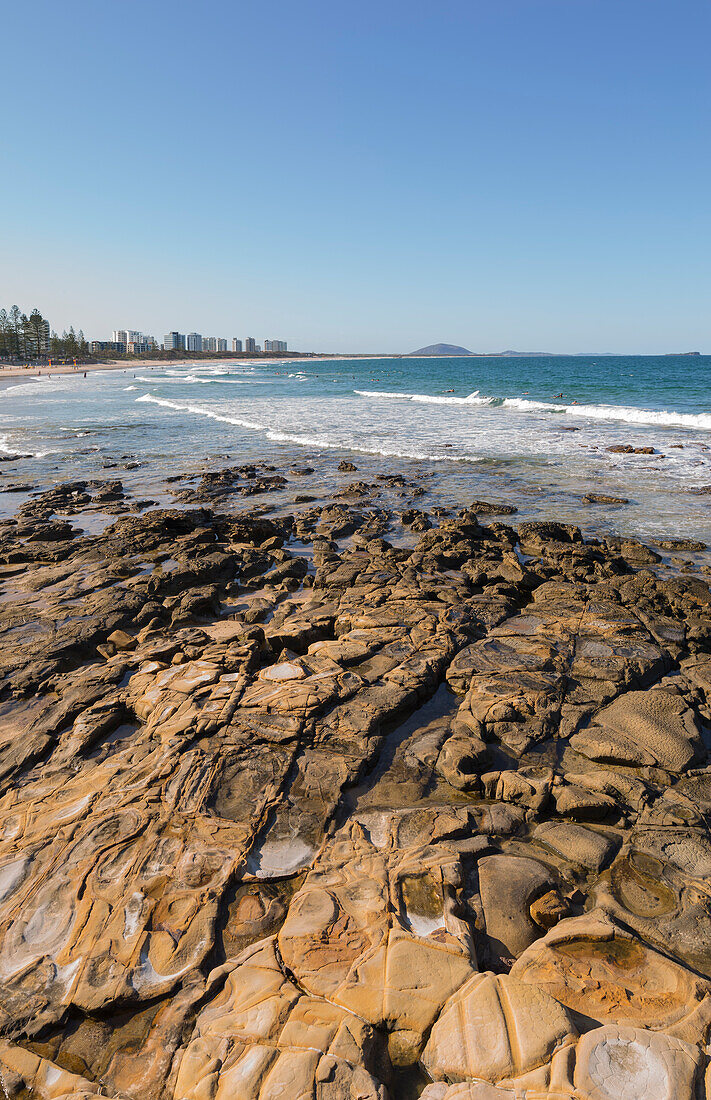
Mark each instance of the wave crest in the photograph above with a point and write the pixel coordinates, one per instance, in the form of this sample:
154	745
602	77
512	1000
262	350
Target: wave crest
303	440
660	418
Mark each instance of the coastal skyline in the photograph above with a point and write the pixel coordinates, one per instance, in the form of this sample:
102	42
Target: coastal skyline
529	175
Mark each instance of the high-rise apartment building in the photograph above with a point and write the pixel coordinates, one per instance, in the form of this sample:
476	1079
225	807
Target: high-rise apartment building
250	345
275	345
44	338
236	344
222	345
209	343
119	336
174	341
194	341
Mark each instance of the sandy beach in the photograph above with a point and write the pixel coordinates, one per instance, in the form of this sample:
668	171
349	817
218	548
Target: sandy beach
115	364
65	368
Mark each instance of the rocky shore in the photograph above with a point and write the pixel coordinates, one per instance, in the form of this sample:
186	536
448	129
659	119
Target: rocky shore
350	800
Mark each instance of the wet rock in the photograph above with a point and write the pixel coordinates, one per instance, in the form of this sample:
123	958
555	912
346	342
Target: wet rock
628	449
692	545
486	508
602	498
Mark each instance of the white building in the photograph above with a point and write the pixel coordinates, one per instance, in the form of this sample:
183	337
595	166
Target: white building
209	343
221	345
236	344
129	336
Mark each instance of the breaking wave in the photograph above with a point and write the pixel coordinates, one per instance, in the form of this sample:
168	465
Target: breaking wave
237	421
661	418
303	440
432	399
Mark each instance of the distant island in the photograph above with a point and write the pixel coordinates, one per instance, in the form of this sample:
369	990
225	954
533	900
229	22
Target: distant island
453	350
441	349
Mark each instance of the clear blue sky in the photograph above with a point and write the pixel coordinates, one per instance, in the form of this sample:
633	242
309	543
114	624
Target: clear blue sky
529	174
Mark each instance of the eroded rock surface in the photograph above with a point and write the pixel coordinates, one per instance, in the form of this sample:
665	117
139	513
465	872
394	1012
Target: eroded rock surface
289	810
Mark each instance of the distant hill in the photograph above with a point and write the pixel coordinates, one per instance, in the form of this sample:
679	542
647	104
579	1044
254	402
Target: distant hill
441	349
454	350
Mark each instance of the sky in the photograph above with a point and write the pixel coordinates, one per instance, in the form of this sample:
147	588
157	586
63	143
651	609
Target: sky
366	177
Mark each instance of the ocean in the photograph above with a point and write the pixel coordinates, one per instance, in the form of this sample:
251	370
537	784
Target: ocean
531	432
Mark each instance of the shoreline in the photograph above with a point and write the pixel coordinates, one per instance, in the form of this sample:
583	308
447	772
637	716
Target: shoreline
637	500
115	364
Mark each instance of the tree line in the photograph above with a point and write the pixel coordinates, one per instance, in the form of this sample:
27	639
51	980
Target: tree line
27	337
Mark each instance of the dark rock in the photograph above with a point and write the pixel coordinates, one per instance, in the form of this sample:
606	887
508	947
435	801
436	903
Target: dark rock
601	498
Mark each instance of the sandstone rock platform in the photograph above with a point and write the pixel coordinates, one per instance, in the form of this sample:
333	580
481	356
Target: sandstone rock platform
344	801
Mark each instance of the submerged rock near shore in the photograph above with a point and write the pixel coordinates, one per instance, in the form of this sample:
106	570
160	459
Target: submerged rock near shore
347	801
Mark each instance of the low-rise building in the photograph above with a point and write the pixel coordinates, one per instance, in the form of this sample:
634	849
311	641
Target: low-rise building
100	347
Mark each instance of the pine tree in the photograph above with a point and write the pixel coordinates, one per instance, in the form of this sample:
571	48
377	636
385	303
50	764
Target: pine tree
37	333
4	334
15	332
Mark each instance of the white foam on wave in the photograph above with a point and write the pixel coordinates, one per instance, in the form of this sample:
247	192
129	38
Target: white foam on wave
164	403
431	398
386	452
219	380
31	385
661	418
303	440
176	379
5	448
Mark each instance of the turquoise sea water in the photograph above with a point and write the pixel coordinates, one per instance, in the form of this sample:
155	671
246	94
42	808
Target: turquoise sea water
486	428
